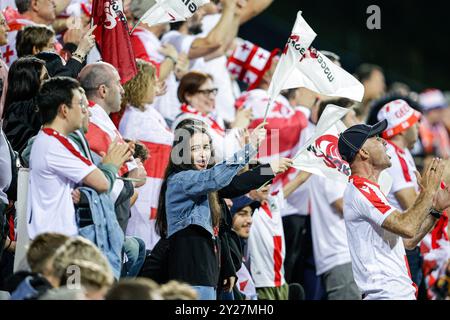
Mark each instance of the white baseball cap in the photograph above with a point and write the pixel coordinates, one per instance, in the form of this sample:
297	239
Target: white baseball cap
400	117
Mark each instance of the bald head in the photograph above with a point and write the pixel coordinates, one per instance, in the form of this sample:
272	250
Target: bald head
101	81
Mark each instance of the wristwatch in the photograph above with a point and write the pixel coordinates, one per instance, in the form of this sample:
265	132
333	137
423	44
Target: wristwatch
435	213
175	61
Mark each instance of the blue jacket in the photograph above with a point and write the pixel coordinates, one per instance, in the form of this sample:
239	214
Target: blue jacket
187	191
105	232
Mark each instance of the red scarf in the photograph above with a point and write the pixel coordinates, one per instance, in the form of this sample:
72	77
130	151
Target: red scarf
210	121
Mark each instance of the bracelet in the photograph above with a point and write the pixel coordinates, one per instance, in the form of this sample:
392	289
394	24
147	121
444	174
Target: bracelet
78	56
435	213
175	61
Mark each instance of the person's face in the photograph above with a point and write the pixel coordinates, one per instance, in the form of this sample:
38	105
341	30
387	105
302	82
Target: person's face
46	9
194	23
412	135
200	150
435	116
149	96
375	86
242	222
114	92
77	111
3	30
261	194
85	103
204	100
376	149
50	47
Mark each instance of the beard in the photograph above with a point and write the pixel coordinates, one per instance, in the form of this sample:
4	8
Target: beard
195	29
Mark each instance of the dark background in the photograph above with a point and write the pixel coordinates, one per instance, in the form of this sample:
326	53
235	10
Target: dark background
413	45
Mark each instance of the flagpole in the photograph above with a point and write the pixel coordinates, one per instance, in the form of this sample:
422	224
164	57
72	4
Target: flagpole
267	109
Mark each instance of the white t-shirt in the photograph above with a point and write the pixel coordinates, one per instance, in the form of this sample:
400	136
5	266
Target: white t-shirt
56	167
402	172
266	245
298	203
149	128
380	266
328	226
218	69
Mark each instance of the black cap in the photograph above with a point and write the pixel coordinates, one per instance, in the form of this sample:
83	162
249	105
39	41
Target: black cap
352	140
242	202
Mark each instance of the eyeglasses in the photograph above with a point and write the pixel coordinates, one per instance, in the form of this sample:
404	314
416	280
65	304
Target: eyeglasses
208	92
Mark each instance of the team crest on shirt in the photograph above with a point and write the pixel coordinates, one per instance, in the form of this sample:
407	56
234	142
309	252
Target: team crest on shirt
326	148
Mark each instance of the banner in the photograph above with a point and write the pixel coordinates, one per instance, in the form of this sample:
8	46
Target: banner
112	37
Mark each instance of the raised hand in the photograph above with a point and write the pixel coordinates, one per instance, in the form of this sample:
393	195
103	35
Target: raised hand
118	153
281	165
258	135
431	180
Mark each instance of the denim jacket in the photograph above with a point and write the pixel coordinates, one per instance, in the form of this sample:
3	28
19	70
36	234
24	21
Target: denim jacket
105	232
187	191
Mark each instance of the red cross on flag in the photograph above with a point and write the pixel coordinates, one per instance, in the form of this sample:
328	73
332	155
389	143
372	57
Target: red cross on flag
303	66
249	63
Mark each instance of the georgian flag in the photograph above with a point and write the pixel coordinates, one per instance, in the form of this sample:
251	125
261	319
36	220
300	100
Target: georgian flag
303	66
171	11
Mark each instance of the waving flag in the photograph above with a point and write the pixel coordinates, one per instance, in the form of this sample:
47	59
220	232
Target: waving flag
303	66
112	37
320	155
171	11
297	46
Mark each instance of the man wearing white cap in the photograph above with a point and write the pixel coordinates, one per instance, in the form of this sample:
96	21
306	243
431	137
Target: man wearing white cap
433	133
401	135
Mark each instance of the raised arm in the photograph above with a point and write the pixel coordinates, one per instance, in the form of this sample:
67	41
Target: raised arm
202	47
408	224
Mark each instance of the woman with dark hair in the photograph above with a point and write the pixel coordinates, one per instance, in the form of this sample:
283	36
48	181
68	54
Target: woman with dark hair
21	116
189	211
197	94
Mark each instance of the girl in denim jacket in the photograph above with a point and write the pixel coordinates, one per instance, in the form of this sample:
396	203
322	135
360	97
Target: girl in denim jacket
189	211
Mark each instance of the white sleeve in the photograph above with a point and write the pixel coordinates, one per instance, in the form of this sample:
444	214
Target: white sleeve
373	205
66	164
399	173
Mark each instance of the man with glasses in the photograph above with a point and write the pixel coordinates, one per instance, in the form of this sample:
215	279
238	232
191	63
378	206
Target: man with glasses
56	165
375	228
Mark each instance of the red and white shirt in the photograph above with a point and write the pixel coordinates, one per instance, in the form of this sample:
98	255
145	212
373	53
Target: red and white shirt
101	133
379	262
8	52
150	128
266	246
328	226
56	166
402	171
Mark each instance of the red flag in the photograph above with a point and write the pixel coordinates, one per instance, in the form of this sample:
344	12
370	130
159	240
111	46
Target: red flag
112	37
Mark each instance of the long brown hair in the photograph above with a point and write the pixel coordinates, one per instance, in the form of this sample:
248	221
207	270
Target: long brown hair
181	145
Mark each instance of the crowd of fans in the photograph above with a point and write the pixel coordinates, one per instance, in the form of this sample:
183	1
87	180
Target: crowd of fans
164	187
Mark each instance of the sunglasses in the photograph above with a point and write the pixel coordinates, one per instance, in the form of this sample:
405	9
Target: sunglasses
208	92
